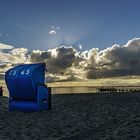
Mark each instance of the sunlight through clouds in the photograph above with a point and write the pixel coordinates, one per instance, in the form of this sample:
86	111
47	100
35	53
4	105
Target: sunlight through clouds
68	63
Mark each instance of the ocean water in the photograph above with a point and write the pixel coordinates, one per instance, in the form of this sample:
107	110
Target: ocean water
95	89
88	89
72	90
91	86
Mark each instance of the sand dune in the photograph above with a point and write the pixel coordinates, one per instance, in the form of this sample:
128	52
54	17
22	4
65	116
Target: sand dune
75	117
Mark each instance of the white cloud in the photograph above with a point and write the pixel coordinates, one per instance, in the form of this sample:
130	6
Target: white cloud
4	46
52	32
11	57
19	55
14	56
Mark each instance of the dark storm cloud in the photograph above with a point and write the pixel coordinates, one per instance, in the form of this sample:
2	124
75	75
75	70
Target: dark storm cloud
65	57
118	61
67	63
39	56
57	60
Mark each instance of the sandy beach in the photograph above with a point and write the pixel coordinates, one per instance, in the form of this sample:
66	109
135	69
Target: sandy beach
75	117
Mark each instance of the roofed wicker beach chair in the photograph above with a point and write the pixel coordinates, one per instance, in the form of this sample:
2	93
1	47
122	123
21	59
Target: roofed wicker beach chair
27	89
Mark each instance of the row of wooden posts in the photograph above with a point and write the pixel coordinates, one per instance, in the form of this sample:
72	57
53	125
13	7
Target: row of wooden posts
106	89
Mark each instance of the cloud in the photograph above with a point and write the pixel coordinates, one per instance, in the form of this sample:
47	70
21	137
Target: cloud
4	46
11	57
52	32
14	56
19	55
55	27
68	63
20	26
118	60
61	62
58	59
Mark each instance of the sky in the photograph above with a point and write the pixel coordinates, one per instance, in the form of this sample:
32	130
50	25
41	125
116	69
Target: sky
77	39
45	24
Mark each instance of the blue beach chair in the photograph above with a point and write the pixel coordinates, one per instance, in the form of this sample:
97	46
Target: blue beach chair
27	89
